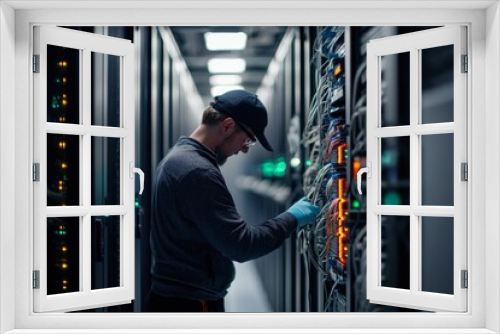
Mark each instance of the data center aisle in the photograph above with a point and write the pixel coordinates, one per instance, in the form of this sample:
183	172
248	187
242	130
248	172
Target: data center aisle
246	293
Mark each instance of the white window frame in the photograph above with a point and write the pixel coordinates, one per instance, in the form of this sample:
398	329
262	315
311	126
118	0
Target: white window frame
413	44
85	43
483	20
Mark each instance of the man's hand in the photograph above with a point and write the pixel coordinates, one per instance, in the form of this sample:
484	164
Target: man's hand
304	211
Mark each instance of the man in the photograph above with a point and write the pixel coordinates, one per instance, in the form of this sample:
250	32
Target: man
196	231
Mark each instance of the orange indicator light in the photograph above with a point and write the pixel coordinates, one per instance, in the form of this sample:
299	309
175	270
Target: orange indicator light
337	70
341	231
340	153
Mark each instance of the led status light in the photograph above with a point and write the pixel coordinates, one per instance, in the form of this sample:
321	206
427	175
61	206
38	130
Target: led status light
337	70
295	162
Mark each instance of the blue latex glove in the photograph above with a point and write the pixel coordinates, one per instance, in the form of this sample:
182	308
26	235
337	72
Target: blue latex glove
304	211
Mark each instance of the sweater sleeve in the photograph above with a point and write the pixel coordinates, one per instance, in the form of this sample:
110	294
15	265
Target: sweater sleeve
209	205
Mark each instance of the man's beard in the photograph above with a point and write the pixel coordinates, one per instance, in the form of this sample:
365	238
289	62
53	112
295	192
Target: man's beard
220	157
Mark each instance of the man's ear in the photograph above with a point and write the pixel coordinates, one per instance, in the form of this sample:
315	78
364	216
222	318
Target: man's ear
228	126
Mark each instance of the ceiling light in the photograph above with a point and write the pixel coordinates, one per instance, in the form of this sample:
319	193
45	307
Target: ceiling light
229	79
219	90
226	65
215	41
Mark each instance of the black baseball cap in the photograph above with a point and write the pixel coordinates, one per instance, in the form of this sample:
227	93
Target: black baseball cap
246	108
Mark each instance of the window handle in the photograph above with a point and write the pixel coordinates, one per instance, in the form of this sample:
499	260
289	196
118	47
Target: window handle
133	170
368	171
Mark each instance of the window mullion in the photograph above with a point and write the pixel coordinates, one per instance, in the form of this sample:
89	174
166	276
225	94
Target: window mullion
85	249
128	154
40	155
460	155
420	129
414	170
123	250
373	156
85	260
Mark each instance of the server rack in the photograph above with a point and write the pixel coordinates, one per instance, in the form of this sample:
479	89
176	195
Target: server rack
167	106
331	77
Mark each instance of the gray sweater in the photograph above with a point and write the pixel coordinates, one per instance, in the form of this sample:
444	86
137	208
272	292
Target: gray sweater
196	231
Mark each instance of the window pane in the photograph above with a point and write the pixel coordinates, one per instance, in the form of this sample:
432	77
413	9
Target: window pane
437	254
105	171
63	255
437	169
395	167
63	85
105	89
63	170
105	252
395	89
437	84
395	251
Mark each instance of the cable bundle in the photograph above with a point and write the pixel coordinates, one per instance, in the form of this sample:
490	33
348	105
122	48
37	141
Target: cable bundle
325	135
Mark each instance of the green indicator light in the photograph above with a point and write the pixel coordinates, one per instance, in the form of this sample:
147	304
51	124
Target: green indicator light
355	204
392	198
136	204
308	163
267	169
279	167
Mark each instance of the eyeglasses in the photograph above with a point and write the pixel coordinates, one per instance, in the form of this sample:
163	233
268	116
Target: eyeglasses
250	141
